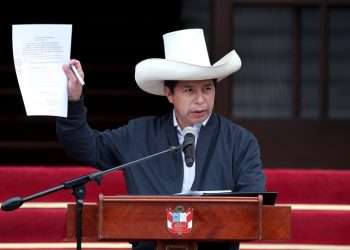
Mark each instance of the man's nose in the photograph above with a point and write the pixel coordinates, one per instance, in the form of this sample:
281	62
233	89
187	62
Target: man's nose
199	97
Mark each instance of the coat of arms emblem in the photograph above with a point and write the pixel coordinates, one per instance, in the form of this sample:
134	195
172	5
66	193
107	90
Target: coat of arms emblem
179	220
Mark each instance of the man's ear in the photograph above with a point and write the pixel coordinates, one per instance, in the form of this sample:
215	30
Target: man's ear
168	94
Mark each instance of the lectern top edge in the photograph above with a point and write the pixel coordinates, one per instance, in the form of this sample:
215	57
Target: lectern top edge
177	198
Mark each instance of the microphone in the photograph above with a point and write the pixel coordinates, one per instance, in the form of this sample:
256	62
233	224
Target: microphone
188	146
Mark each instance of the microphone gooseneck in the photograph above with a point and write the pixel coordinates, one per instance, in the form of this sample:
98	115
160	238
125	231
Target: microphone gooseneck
189	146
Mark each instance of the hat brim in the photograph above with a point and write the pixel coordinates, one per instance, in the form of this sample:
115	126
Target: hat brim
151	73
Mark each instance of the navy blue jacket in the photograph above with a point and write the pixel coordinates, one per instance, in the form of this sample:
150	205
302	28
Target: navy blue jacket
227	156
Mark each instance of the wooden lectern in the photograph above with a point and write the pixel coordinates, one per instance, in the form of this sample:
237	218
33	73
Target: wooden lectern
177	222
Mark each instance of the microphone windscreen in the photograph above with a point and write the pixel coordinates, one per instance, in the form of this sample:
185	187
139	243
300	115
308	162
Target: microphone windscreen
189	146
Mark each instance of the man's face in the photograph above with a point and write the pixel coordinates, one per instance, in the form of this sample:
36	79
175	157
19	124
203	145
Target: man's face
193	101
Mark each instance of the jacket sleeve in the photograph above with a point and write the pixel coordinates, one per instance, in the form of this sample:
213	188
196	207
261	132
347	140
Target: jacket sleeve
89	146
250	177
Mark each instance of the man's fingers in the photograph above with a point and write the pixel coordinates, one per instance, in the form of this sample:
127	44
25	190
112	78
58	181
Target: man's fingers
78	66
70	75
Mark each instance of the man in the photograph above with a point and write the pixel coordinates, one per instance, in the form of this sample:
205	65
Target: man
227	156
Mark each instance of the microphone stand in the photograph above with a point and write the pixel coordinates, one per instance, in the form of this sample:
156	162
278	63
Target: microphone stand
78	187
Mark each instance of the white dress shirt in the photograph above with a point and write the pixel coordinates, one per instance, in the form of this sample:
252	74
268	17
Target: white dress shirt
189	172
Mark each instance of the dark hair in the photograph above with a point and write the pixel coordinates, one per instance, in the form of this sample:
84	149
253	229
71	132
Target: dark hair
172	83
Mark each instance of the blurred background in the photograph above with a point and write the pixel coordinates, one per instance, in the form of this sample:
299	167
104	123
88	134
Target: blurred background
292	92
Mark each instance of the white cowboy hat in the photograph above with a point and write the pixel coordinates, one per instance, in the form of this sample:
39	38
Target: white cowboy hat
186	58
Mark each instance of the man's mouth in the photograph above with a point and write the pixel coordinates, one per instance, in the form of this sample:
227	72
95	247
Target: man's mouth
199	112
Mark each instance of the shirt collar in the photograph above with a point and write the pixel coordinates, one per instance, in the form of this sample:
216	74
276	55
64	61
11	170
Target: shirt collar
195	125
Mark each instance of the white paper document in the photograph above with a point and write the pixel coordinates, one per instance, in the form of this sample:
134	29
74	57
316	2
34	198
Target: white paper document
204	192
39	52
